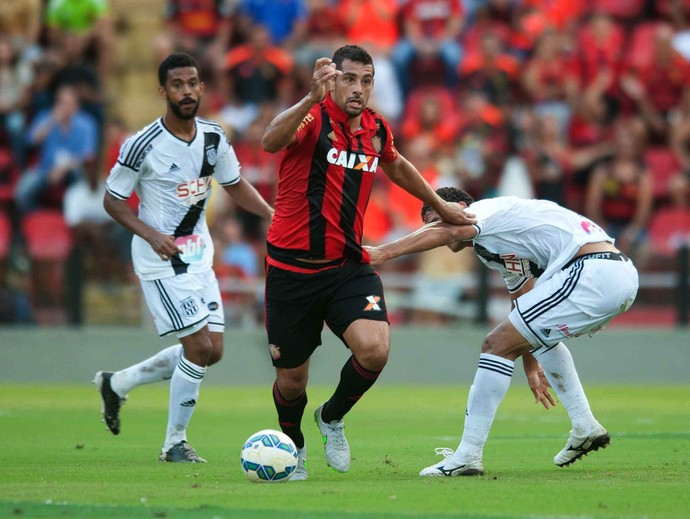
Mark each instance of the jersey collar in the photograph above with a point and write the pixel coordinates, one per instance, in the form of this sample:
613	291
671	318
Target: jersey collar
340	116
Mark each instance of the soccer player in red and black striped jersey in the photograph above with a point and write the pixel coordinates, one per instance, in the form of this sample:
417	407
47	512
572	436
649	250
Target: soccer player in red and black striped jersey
317	271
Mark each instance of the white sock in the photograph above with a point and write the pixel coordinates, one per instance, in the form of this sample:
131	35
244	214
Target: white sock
561	373
184	391
154	369
491	382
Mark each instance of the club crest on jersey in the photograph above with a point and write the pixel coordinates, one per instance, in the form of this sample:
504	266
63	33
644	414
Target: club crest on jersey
274	351
211	155
189	307
354	161
191	247
376	143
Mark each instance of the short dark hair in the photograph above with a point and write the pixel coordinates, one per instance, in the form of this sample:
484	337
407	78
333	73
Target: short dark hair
176	60
449	194
353	53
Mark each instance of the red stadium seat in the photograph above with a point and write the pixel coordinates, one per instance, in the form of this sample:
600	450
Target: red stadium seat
48	243
668	229
662	164
47	235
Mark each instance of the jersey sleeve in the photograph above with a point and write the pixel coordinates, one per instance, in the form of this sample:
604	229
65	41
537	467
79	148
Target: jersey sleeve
514	281
125	174
309	126
227	170
389	153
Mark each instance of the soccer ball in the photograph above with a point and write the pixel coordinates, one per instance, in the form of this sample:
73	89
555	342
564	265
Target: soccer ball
268	456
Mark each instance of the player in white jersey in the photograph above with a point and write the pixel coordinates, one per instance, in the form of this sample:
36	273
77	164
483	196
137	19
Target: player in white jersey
565	278
170	164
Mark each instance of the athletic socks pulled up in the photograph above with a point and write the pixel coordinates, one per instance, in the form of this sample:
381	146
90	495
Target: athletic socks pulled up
354	382
184	392
491	383
290	414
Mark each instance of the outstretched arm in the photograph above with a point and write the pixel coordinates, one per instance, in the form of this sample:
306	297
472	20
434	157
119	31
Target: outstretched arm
405	174
425	238
249	199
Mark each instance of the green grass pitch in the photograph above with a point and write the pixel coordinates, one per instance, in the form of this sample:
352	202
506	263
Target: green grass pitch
57	459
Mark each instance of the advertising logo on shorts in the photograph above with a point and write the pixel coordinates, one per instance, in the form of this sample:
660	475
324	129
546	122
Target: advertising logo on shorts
191	247
189	307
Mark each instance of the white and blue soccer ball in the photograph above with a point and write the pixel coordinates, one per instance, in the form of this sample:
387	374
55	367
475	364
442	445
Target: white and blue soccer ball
269	456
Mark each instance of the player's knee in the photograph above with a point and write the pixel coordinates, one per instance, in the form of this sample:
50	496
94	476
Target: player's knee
291	385
491	344
215	358
199	350
374	356
217	349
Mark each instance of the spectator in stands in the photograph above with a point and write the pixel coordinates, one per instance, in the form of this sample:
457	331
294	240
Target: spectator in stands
258	72
95	235
326	31
548	160
491	71
20	21
431	31
679	184
258	166
202	29
83	30
373	24
66	138
600	45
431	112
236	254
657	82
16	77
285	20
620	195
482	145
550	79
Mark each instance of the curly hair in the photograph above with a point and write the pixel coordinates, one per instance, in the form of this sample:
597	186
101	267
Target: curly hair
176	60
449	194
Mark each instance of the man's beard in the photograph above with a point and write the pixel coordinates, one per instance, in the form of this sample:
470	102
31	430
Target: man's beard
177	110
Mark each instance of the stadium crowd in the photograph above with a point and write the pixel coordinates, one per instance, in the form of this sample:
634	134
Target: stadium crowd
583	102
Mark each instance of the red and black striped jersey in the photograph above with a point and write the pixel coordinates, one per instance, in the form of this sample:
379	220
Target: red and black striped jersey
324	184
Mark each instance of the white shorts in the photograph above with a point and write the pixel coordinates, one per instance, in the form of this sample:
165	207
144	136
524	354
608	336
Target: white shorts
185	303
580	299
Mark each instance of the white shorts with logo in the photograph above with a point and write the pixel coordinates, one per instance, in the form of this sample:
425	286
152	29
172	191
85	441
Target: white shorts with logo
185	303
580	299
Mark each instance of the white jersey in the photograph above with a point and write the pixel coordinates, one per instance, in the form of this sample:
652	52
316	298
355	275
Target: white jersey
524	239
172	178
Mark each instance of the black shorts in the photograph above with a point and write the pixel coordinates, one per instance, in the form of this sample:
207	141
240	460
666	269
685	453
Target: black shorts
298	305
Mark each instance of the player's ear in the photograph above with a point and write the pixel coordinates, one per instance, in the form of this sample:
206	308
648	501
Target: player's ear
162	92
202	87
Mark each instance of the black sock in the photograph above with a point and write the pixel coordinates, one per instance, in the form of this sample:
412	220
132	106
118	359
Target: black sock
354	382
290	415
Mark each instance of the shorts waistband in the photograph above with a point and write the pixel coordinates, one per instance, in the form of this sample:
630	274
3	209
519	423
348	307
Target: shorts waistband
614	256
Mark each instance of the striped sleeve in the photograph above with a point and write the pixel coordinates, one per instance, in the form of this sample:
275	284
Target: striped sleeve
135	149
227	170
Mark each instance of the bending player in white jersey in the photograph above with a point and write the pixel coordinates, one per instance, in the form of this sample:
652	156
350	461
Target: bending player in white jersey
565	278
170	164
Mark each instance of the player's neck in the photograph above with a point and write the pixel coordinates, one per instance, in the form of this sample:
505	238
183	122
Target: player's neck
184	129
